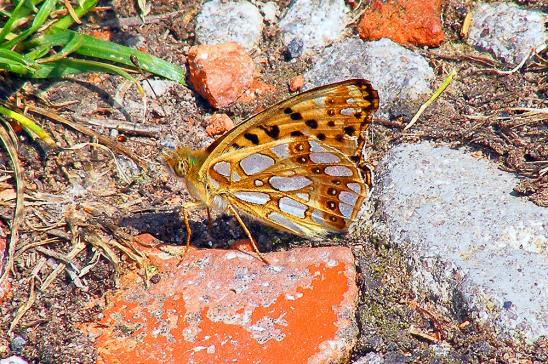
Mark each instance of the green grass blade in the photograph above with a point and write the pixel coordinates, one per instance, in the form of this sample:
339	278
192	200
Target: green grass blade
14	56
15	15
111	52
39	19
81	10
71	66
71	46
28	125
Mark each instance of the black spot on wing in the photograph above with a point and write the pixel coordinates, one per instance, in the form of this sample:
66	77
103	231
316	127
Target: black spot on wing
349	130
311	123
273	131
296	116
253	138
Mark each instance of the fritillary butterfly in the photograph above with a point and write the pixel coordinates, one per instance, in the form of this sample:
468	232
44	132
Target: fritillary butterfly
296	166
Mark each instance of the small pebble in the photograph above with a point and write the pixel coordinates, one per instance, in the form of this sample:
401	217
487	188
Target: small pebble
294	48
218	124
296	83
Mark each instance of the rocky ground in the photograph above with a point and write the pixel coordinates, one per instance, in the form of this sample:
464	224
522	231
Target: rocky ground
447	262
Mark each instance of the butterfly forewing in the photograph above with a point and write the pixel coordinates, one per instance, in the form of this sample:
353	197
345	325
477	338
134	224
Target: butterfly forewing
335	114
297	184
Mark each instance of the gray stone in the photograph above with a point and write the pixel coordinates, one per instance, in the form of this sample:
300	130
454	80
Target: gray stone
472	244
507	31
157	88
17	344
222	22
295	48
370	358
316	22
13	360
401	76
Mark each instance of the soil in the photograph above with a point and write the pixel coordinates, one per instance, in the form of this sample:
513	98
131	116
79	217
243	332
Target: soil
83	189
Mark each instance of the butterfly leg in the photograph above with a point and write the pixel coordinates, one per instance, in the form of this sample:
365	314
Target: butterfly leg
248	233
209	224
184	212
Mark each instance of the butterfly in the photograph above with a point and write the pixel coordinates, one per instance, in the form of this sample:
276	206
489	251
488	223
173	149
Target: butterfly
297	166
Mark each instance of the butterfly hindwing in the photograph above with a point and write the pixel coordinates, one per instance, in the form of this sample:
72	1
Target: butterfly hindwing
297	184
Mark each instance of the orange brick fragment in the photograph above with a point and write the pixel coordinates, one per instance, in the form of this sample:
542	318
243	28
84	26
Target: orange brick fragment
224	306
415	22
220	73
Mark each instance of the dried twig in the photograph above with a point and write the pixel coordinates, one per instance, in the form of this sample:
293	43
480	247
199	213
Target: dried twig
32	296
86	131
123	126
9	141
136	21
513	70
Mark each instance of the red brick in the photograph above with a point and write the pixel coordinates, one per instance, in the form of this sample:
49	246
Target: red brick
224	306
415	22
220	73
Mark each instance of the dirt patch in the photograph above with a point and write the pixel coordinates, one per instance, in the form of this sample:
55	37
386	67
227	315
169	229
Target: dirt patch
493	112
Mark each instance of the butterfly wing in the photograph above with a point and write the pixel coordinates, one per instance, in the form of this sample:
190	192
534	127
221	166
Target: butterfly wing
296	184
335	114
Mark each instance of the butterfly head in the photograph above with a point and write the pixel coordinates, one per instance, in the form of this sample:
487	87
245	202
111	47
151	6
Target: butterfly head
182	160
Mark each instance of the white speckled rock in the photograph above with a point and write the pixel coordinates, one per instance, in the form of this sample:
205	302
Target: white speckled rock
316	23
507	31
222	22
401	76
473	245
270	11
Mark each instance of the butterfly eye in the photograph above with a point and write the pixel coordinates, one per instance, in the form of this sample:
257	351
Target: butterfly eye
183	167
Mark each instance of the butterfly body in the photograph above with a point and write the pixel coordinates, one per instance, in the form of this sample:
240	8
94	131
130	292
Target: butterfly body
296	166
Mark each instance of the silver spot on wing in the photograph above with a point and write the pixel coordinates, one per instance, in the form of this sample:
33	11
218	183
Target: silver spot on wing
214	183
281	150
292	207
303	196
317	217
355	187
258	198
285	222
235	176
319	101
256	163
316	147
338	171
258	183
325	158
289	183
223	168
348	200
348	111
